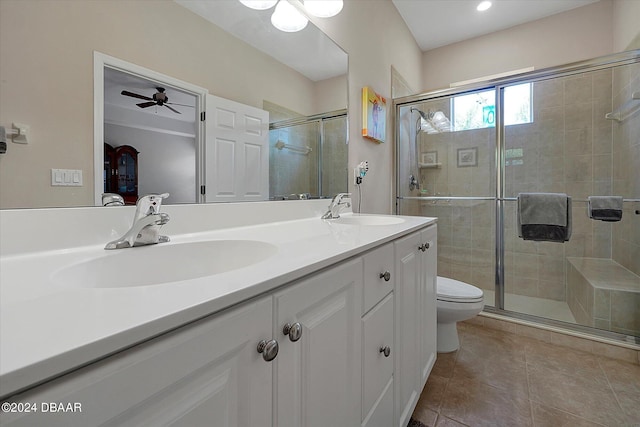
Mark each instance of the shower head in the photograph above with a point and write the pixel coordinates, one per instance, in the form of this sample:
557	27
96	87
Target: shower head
422	113
433	122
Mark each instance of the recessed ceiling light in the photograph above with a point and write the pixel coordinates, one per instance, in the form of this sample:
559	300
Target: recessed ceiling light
484	5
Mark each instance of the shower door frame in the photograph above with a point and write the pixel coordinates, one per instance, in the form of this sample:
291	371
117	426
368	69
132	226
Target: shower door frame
499	84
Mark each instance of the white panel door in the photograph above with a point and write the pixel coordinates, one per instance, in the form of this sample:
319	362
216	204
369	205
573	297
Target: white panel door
319	376
236	151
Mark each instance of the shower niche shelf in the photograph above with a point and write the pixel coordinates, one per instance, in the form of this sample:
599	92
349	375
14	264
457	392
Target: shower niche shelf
626	109
429	165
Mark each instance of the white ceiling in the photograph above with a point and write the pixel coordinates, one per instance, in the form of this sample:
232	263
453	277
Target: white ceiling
436	23
310	51
116	81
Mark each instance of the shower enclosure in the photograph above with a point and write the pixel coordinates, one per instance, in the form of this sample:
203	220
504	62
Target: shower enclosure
308	156
464	154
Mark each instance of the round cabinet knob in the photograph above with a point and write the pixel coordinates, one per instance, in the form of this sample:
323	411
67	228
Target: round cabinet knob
386	350
268	349
293	330
425	246
386	276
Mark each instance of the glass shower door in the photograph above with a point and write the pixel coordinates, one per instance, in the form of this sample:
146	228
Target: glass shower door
448	171
569	145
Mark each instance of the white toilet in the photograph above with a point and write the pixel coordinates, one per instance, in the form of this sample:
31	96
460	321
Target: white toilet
457	301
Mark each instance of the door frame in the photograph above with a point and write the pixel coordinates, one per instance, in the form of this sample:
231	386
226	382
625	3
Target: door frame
100	61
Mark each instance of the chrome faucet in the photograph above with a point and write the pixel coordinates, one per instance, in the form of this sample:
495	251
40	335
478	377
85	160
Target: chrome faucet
112	199
336	206
146	224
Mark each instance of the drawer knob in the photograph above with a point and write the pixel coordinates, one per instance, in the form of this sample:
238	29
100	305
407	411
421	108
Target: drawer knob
424	247
386	276
386	350
268	349
293	330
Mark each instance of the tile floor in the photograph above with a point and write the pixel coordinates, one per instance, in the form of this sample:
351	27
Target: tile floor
498	378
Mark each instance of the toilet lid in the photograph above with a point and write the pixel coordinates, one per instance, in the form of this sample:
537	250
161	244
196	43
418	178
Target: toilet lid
454	290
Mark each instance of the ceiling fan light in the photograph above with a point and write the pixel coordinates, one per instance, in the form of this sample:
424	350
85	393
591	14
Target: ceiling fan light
323	8
259	4
287	18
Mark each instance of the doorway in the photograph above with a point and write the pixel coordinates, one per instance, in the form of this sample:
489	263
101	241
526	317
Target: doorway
159	118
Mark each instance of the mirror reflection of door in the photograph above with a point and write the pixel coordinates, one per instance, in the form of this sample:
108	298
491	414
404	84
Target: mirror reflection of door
142	115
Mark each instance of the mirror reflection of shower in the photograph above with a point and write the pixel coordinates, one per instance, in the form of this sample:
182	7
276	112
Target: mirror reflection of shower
308	156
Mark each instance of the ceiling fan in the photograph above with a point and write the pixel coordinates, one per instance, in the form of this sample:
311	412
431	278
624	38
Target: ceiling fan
159	98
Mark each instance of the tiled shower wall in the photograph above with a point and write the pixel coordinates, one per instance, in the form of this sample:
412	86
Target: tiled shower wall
567	148
626	166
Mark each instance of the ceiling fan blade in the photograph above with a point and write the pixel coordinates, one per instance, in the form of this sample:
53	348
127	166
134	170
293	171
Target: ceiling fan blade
146	104
182	105
135	95
172	109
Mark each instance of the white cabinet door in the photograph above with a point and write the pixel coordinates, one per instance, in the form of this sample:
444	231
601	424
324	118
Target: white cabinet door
236	152
428	299
318	378
407	323
208	373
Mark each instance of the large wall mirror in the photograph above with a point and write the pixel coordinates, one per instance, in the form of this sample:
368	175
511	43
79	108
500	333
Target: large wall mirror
231	51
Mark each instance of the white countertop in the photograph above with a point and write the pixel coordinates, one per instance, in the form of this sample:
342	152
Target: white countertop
48	328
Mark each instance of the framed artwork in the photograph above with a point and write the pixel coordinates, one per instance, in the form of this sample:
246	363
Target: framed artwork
429	158
467	157
374	113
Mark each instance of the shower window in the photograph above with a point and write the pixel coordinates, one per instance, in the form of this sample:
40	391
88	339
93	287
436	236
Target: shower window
477	110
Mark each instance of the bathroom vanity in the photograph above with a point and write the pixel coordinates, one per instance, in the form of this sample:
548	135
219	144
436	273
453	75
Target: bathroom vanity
325	323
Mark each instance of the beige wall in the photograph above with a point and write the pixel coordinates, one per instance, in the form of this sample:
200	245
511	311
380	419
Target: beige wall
47	80
626	28
376	37
578	34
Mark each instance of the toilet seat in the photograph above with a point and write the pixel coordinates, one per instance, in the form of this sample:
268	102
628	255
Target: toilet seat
451	290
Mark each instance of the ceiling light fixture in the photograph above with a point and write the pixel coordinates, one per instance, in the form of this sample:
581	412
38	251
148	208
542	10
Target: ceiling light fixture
323	8
484	5
259	4
287	18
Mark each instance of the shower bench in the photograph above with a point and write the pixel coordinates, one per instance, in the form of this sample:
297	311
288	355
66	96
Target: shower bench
602	293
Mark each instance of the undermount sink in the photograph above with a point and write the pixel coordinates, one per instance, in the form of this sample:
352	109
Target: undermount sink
368	220
164	263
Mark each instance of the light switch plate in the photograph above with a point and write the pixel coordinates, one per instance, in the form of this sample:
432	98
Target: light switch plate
66	177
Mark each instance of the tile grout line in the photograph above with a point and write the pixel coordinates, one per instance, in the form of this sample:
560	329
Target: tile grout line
526	371
615	395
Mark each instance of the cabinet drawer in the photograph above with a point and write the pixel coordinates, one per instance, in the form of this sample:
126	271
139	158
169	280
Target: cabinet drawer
377	368
377	263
